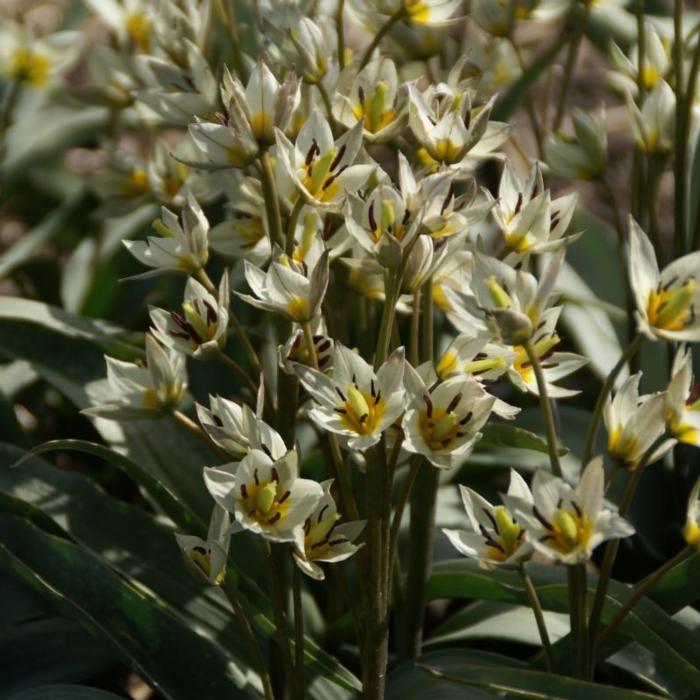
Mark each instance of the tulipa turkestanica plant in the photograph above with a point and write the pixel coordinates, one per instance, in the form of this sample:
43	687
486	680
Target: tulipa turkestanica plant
363	336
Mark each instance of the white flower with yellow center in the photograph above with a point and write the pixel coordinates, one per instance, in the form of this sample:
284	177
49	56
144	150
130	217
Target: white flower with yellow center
458	134
322	168
134	391
201	327
288	288
423	13
497	16
131	21
36	61
668	301
266	496
656	64
355	402
494	536
683	400
296	351
207	558
182	246
691	531
237	430
528	218
654	126
323	538
567	523
634	423
468	354
370	96
443	420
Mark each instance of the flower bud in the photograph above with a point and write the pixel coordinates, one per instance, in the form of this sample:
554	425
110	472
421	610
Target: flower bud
513	327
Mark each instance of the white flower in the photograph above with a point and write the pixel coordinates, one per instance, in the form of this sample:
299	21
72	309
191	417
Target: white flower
634	423
130	20
567	523
528	218
286	289
667	301
182	245
494	536
237	430
322	168
207	558
691	531
201	328
683	400
144	392
497	16
656	63
323	539
654	125
449	138
265	496
355	402
443	421
36	61
468	354
372	97
419	12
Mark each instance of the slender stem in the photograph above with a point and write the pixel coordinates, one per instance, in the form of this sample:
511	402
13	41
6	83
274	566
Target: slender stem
8	107
603	395
687	120
272	204
292	225
641	49
546	408
392	287
577	612
401	505
390	22
681	145
529	105
197	431
638	593
570	63
277	589
611	548
376	627
655	173
428	335
238	370
310	345
226	11
415	325
325	98
298	632
252	641
539	617
340	29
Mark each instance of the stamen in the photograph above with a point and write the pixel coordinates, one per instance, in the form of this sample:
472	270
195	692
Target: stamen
244	492
541	518
275	475
257	481
338	158
323	510
274	518
518	204
285	496
266	450
370	216
454	403
340	393
466	418
428	405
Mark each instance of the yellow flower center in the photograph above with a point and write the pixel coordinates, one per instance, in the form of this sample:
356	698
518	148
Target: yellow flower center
361	412
441	427
373	111
30	67
507	535
691	533
522	364
671	308
569	529
298	308
267	503
138	27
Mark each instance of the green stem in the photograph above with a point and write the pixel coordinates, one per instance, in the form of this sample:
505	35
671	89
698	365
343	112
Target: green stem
8	106
611	548
239	371
392	287
638	593
681	145
539	617
569	66
391	21
545	407
604	393
252	641
340	30
376	620
272	204
292	225
276	581
196	430
687	120
415	325
298	632
577	612
325	98
529	105
654	174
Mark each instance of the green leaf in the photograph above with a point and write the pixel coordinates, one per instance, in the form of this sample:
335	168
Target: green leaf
177	660
456	673
160	494
505	435
63	692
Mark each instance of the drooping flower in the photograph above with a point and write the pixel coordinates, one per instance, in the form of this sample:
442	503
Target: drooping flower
356	402
323	169
287	289
323	538
567	523
135	391
201	328
667	301
237	430
182	245
266	496
443	420
494	536
207	558
683	400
